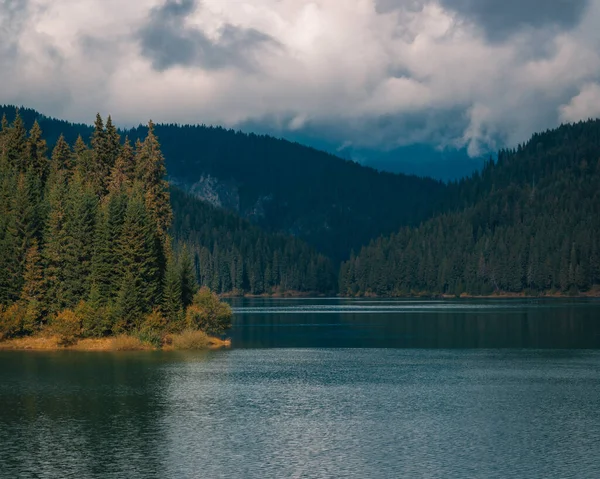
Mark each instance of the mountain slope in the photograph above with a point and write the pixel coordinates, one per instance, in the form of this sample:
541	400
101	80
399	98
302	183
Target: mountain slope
530	222
334	204
232	255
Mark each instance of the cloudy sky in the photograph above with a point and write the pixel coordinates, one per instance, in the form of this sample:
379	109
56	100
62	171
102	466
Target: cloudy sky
360	75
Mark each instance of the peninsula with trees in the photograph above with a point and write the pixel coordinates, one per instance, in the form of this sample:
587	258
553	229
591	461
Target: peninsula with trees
85	245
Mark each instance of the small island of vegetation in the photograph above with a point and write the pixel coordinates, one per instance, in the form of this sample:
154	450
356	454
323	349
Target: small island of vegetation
86	256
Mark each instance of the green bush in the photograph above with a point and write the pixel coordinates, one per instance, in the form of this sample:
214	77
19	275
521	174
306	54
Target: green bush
207	313
96	321
153	328
32	320
12	320
67	326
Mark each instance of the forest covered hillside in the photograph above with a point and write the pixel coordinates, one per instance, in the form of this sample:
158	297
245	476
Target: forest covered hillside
231	255
335	205
529	222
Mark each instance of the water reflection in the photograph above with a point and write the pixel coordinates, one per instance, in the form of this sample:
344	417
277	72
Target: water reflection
554	324
80	414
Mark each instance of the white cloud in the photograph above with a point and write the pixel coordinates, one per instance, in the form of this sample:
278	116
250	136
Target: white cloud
361	72
583	106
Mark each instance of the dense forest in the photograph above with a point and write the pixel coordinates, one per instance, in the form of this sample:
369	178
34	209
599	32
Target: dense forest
529	222
334	204
232	255
85	248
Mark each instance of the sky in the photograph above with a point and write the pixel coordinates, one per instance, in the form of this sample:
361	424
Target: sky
373	80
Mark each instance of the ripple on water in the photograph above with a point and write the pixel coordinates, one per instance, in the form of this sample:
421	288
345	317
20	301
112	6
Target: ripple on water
272	413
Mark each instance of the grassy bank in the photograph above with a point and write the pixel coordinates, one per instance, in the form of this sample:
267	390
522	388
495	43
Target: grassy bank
187	340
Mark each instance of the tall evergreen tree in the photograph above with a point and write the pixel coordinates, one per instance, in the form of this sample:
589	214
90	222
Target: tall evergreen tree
77	256
56	243
138	250
83	158
151	173
113	143
16	144
106	270
122	174
189	286
172	305
101	157
62	159
36	154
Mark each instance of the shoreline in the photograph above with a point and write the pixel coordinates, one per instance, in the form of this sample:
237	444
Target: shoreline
285	294
110	344
594	293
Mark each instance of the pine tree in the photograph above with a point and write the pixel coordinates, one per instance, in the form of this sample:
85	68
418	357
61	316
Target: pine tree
32	293
113	143
151	172
77	256
171	297
37	150
20	225
122	174
83	158
106	272
10	246
62	157
16	144
189	286
100	164
56	242
138	250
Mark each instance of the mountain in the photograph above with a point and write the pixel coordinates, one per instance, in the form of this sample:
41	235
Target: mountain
335	205
530	222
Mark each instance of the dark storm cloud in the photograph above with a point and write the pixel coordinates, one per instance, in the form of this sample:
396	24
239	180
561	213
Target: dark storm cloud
168	42
499	19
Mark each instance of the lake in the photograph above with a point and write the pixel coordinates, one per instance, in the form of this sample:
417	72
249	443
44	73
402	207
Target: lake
379	323
323	388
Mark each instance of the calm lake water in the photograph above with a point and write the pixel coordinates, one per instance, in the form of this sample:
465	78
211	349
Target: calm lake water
327	388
